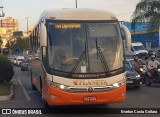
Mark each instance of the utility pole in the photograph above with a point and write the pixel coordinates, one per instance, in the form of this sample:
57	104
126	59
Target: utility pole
27	25
1	15
76	3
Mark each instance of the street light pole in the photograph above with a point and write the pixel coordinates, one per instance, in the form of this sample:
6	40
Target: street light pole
27	25
2	14
76	3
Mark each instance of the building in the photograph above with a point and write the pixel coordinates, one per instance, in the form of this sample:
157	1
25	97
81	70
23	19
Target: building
10	24
139	34
7	27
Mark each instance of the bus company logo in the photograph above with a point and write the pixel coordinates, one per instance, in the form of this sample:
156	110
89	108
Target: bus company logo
89	82
90	89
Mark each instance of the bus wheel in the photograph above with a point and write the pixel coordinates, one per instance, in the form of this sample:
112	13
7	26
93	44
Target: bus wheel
40	85
45	104
33	87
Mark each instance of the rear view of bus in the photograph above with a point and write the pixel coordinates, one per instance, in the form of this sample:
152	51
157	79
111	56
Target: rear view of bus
82	58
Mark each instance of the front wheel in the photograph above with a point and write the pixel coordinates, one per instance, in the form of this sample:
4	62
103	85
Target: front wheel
33	87
45	105
148	82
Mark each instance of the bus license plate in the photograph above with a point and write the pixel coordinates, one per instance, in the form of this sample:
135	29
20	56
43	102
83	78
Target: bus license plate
89	99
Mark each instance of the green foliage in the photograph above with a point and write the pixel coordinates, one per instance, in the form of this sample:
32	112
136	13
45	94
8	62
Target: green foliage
6	69
147	11
5	89
1	42
18	42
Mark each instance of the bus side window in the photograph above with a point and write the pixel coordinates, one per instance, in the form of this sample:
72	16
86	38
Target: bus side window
44	55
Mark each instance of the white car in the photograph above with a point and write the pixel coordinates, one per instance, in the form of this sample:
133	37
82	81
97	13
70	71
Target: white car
139	49
19	60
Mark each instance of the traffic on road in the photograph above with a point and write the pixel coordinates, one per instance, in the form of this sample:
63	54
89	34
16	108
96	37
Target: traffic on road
144	97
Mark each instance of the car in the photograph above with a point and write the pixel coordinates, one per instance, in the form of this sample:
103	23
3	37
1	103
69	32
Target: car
151	52
129	61
19	60
11	59
158	53
24	65
133	79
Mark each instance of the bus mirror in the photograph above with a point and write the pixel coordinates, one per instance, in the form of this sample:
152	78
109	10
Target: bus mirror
43	35
127	36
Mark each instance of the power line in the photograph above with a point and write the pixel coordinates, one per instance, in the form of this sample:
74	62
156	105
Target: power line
22	21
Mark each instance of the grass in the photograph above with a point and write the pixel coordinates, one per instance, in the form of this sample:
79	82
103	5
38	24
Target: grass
5	89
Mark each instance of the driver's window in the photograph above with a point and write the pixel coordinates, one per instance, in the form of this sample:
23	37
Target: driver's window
44	55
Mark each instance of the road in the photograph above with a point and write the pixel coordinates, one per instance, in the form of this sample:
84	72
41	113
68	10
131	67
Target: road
25	97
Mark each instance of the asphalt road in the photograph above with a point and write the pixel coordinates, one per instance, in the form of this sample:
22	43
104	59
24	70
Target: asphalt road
25	97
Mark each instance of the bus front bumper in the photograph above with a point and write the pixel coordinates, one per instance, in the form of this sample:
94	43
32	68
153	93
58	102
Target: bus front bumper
59	97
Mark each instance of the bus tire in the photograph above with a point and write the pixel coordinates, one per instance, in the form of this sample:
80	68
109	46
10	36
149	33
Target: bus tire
40	85
45	105
33	87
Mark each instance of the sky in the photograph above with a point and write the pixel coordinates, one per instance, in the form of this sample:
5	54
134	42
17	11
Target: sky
21	9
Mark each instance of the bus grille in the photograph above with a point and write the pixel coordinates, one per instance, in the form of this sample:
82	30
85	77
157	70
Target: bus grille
85	89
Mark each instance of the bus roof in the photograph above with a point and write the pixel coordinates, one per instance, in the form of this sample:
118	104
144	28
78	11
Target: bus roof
78	14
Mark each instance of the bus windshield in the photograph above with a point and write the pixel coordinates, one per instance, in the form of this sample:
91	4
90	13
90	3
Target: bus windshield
84	47
137	48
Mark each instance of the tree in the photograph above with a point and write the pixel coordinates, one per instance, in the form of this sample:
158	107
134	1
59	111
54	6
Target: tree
147	11
1	42
6	69
18	42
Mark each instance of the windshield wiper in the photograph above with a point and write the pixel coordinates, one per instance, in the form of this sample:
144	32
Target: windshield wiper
83	55
102	58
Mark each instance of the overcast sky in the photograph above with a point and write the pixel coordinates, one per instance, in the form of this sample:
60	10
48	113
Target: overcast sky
20	9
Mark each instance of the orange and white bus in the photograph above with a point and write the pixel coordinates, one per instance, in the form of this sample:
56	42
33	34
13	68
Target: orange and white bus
78	57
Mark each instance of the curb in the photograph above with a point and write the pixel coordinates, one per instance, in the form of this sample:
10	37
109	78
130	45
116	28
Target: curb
7	97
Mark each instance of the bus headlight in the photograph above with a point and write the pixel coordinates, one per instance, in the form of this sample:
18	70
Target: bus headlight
119	83
57	86
61	86
116	85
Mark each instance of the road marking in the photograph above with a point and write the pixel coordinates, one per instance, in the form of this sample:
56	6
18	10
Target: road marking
24	90
14	101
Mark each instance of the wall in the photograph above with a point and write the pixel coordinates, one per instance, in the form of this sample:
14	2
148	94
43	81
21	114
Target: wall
139	34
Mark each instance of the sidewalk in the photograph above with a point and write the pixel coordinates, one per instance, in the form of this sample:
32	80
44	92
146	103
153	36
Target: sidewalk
16	91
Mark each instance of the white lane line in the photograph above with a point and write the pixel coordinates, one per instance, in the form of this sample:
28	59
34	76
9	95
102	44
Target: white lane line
13	101
24	90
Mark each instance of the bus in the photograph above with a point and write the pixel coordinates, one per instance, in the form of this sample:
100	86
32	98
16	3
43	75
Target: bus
78	57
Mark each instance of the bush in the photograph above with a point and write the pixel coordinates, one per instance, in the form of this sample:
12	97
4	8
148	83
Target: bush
6	69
